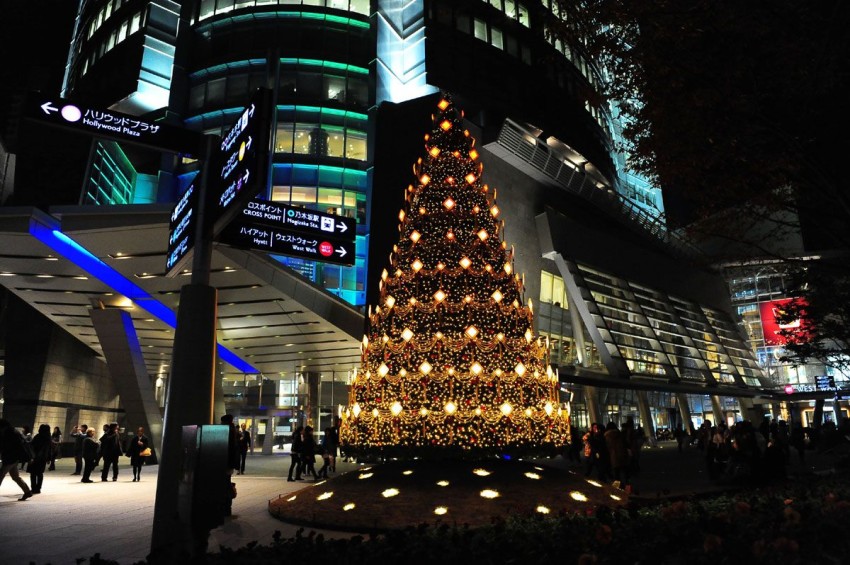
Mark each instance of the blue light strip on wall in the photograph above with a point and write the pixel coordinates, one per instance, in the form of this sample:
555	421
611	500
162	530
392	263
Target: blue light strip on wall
84	259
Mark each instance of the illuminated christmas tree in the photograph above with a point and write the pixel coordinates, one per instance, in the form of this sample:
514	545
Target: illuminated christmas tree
450	361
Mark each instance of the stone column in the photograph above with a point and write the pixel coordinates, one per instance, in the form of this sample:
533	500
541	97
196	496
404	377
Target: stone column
268	440
685	412
646	417
717	410
818	415
591	400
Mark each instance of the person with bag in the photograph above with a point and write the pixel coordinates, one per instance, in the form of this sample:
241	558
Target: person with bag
14	450
42	451
110	451
138	449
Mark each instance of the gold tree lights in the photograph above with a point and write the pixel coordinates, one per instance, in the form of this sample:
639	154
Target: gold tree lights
450	359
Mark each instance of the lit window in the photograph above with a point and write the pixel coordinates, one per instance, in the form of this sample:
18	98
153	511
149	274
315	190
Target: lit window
480	29
496	38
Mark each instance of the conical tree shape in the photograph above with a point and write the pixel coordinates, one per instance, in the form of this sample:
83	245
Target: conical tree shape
450	362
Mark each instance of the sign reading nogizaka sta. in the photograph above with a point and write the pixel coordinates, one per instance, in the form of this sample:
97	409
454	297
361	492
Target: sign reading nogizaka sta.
242	160
278	215
112	125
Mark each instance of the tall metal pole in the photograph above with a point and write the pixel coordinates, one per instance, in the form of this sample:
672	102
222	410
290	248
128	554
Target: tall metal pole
189	392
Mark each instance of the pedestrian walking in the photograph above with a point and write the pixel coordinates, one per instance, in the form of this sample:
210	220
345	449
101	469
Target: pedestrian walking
14	450
308	453
79	434
91	447
295	453
110	452
138	445
42	451
330	444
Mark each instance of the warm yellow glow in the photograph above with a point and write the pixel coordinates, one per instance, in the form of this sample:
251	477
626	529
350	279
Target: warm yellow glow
506	409
471	332
424	179
355	410
576	495
434	151
473	154
477	411
470	178
440	510
527	412
465	262
439	335
390	302
443	104
531	475
416	266
383	370
497	296
450	407
476	368
468	299
439	296
396	408
423	411
615	497
448	203
594	483
483	235
290	499
542	509
488	493
400	219
520	369
440	266
481	472
407	473
445	125
494	210
548	408
500	336
450	235
374	412
325	496
425	368
528	335
415	236
364	475
422	211
349	506
442	483
390	492
384	273
407	334
508	268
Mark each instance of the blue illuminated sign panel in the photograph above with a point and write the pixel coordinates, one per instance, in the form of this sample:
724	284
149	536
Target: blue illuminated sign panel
181	230
246	234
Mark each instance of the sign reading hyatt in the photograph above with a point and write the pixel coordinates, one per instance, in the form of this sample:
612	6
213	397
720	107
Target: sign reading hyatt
243	158
112	125
181	230
246	234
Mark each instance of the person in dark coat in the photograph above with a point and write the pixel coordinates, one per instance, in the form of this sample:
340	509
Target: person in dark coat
42	451
618	454
244	445
232	461
136	445
110	452
56	438
79	435
91	447
308	453
295	465
12	453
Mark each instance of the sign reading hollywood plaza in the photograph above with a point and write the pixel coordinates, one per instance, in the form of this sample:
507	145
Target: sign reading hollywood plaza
113	125
243	161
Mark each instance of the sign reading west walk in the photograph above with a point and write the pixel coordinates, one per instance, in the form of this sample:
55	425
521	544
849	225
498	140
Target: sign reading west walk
243	161
250	235
113	125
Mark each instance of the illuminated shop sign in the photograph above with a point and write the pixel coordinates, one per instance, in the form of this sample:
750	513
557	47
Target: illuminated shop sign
112	125
772	330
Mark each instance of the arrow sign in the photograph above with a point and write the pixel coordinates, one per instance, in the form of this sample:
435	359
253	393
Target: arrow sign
48	107
283	216
245	234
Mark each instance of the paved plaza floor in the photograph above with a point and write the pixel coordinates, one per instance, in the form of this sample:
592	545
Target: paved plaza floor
70	520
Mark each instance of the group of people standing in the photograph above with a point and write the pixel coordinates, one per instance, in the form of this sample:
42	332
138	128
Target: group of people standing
305	449
38	453
613	453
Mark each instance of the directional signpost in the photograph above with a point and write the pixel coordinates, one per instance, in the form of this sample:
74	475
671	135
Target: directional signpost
278	228
113	125
181	230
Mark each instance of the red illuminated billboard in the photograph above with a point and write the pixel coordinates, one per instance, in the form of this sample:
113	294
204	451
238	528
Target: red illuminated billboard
776	333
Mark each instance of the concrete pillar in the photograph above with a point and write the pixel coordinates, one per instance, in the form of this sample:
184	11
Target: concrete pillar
578	337
749	411
591	400
646	417
685	411
254	428
268	440
311	408
818	415
717	410
219	408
